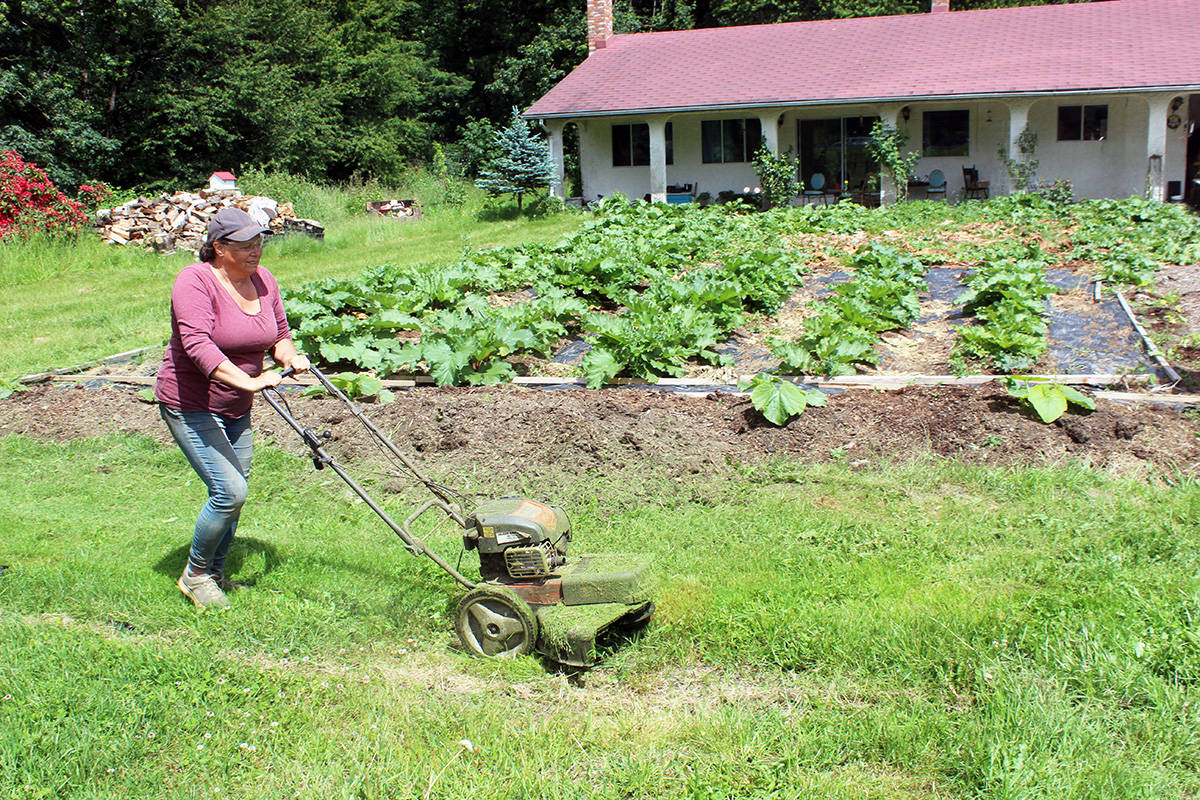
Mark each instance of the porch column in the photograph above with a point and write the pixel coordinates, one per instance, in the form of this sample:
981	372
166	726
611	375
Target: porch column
892	115
1156	145
770	130
658	159
1018	118
558	171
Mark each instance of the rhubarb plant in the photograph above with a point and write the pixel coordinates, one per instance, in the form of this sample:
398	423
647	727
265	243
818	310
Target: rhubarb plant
1008	299
881	296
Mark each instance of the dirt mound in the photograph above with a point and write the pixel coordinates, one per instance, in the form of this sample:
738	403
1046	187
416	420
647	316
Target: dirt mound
512	439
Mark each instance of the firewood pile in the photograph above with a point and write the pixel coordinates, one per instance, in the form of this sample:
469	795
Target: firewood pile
179	221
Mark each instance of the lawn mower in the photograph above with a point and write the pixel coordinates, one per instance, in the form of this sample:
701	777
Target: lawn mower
529	598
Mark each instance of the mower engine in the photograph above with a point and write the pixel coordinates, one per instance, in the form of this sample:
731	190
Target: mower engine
517	538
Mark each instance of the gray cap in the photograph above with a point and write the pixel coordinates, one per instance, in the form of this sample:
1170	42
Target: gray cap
235	225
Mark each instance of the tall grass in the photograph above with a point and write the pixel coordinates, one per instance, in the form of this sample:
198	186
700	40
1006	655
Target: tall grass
926	631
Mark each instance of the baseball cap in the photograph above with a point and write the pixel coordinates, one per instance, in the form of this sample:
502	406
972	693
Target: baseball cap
235	225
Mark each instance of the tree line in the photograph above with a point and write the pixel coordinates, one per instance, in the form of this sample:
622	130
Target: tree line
152	92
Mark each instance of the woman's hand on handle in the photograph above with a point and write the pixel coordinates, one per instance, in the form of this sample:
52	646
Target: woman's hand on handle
268	380
299	363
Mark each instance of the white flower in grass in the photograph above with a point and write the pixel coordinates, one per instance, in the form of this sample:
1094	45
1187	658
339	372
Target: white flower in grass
220	681
207	735
465	744
209	714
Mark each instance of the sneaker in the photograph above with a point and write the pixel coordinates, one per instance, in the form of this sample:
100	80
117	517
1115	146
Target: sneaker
202	590
225	584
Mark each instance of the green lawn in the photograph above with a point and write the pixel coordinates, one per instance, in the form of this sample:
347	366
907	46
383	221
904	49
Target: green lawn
922	631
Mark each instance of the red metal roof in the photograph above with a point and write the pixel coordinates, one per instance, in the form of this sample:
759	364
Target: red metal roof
225	176
1116	45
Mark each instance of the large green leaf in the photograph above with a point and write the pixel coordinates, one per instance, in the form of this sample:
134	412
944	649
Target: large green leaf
1079	398
1048	400
599	365
779	400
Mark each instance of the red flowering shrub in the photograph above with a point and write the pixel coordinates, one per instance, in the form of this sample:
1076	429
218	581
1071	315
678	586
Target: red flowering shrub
29	202
92	195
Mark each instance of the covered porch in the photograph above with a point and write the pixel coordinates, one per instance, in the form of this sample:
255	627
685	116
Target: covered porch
1107	145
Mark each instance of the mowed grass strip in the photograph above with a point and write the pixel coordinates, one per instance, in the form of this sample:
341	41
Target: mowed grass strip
931	630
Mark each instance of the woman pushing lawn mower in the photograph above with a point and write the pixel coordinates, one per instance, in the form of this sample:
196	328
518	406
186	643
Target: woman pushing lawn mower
226	313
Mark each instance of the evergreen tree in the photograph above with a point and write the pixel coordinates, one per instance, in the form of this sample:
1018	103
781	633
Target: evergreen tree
522	162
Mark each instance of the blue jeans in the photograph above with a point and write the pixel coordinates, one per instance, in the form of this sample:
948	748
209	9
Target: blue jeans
219	449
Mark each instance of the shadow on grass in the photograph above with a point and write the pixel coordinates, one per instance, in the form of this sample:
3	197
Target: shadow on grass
244	551
532	208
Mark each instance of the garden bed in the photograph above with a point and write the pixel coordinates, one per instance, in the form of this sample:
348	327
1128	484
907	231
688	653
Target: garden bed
646	292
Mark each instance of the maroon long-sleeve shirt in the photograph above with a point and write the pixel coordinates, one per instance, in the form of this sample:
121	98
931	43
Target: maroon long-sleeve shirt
207	327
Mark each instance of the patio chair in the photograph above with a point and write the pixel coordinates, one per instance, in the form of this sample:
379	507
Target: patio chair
816	190
973	188
937	185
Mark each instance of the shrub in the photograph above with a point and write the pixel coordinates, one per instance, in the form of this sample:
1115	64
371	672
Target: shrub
30	202
92	196
777	174
1060	192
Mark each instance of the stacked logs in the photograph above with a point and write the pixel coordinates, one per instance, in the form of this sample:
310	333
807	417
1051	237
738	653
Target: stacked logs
179	221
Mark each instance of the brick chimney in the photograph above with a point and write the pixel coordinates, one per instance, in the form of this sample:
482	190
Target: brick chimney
938	5
600	23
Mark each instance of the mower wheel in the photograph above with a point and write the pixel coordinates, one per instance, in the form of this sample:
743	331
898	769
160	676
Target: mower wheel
495	623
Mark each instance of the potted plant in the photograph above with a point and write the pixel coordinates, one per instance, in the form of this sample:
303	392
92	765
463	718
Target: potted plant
870	192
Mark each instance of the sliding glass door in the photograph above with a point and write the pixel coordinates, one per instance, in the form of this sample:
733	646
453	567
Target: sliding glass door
836	148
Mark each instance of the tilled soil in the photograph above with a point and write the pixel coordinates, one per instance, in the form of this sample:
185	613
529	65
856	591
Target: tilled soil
498	439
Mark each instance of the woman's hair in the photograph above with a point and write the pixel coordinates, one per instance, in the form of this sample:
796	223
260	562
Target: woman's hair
207	253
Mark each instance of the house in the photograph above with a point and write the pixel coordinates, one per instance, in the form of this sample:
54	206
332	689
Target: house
1109	88
222	180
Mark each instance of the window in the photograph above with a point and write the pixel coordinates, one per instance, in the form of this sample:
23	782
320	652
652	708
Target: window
727	141
836	148
631	145
1082	123
946	133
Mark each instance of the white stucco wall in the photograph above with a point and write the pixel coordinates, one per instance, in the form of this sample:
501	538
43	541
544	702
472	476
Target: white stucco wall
987	133
1115	167
601	178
